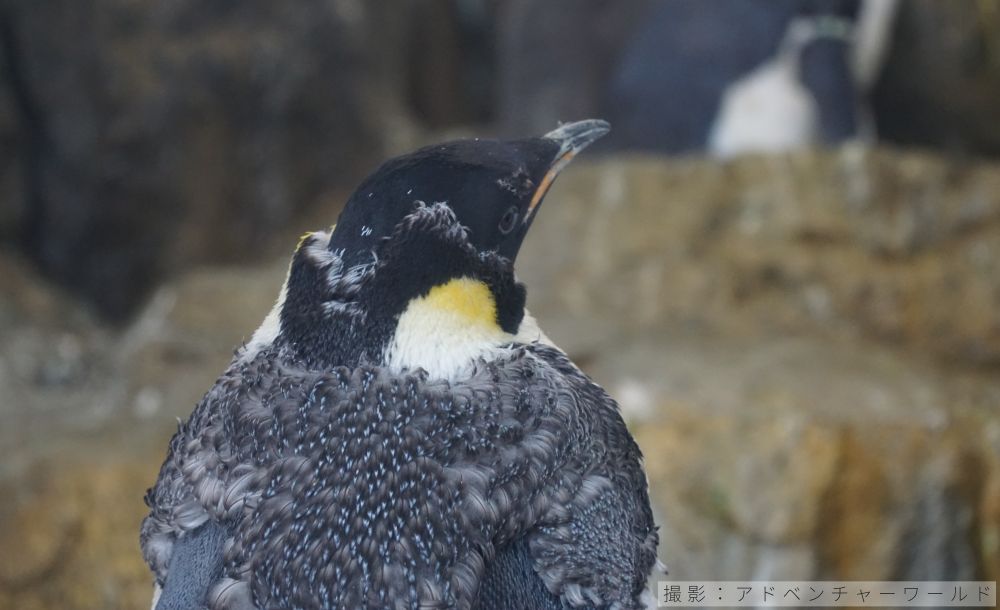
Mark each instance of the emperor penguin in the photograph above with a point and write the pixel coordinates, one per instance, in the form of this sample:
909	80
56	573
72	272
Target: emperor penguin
399	433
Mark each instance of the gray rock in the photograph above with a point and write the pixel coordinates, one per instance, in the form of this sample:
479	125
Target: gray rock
12	199
163	134
940	86
556	58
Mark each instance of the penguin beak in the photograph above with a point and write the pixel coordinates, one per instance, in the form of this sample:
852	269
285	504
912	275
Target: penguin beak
571	139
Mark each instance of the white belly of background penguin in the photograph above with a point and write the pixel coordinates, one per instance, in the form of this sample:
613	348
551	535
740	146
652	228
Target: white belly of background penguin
399	433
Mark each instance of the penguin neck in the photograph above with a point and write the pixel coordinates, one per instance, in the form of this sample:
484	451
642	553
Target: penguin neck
331	316
446	331
451	329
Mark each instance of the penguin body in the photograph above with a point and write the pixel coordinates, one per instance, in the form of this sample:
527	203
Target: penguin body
731	78
361	488
399	433
803	96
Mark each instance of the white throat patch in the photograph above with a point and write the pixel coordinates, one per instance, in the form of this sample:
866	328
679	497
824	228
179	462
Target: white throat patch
447	331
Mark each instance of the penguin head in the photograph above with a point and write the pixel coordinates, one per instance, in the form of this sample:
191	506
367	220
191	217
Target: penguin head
423	252
493	188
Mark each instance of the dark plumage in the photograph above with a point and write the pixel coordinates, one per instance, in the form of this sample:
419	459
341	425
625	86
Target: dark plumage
194	567
318	473
357	488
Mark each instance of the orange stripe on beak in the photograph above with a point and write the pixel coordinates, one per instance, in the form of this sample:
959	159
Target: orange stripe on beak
550	177
571	138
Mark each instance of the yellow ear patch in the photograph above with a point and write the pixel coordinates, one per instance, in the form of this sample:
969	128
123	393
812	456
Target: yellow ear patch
303	239
468	299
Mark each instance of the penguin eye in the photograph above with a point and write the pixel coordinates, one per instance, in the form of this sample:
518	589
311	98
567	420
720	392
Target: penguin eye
509	220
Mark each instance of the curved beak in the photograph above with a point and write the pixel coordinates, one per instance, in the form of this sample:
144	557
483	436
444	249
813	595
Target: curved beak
571	139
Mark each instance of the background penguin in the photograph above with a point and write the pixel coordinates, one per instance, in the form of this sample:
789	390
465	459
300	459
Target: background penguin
803	96
753	76
399	433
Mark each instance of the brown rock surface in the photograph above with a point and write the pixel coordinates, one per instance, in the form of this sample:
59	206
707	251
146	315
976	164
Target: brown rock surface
880	244
802	344
802	458
68	533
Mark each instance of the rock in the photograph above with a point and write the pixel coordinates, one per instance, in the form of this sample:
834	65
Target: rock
53	365
12	200
81	444
72	521
801	458
940	85
451	62
161	135
65	376
881	244
556	57
177	333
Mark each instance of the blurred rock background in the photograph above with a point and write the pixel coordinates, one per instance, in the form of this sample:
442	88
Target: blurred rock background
807	343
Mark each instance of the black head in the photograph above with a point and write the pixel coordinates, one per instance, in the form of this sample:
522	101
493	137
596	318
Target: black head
492	186
448	211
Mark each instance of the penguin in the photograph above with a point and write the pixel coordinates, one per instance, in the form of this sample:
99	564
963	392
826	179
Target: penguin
759	76
805	95
399	433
